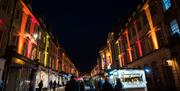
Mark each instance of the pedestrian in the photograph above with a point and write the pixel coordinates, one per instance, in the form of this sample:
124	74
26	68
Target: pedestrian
72	85
118	86
107	86
40	85
82	87
58	85
62	83
54	85
97	88
100	83
50	85
1	85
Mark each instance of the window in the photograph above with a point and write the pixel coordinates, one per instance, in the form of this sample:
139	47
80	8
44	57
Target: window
28	24
145	21
138	24
160	36
33	56
129	33
39	35
174	27
134	55
143	44
166	4
17	14
153	8
133	31
25	48
15	40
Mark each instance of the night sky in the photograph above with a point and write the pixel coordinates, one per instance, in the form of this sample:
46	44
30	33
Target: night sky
81	26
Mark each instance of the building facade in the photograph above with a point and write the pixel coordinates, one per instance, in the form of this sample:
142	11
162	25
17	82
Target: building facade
29	52
150	41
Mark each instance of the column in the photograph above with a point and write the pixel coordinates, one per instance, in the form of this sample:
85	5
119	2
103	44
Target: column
21	34
128	45
138	41
152	30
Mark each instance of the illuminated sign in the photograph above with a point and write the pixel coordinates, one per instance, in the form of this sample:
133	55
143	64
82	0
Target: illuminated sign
42	75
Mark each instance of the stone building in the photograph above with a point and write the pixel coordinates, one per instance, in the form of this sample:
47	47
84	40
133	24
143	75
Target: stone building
150	41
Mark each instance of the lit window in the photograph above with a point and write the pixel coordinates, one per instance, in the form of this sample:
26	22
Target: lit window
166	4
174	27
39	35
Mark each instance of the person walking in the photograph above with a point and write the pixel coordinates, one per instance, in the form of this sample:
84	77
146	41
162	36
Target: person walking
107	86
54	85
82	87
40	85
50	85
1	85
118	86
100	83
72	85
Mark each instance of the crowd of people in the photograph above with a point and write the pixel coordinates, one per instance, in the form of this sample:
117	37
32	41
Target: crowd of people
74	85
52	85
80	85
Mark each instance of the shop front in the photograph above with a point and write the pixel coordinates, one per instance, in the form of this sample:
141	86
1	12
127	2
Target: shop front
53	76
132	79
20	74
65	78
42	75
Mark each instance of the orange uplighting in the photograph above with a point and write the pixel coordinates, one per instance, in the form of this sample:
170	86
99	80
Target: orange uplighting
121	52
30	41
57	64
32	27
122	58
152	31
29	49
21	39
25	8
139	48
138	41
26	13
109	53
128	45
63	59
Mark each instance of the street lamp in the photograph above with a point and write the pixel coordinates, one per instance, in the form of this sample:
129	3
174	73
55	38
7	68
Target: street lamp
147	69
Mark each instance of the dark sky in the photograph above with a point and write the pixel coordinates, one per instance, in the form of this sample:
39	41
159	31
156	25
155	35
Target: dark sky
81	26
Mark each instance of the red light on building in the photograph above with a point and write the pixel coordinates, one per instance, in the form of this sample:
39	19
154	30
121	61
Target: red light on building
2	22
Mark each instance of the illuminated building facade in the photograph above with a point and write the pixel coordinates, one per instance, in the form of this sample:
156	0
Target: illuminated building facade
30	51
150	41
67	65
95	71
4	30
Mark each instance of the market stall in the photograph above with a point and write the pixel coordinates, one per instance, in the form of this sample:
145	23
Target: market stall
132	79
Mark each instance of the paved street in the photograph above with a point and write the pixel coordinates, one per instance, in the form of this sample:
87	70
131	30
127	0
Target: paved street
63	89
58	89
